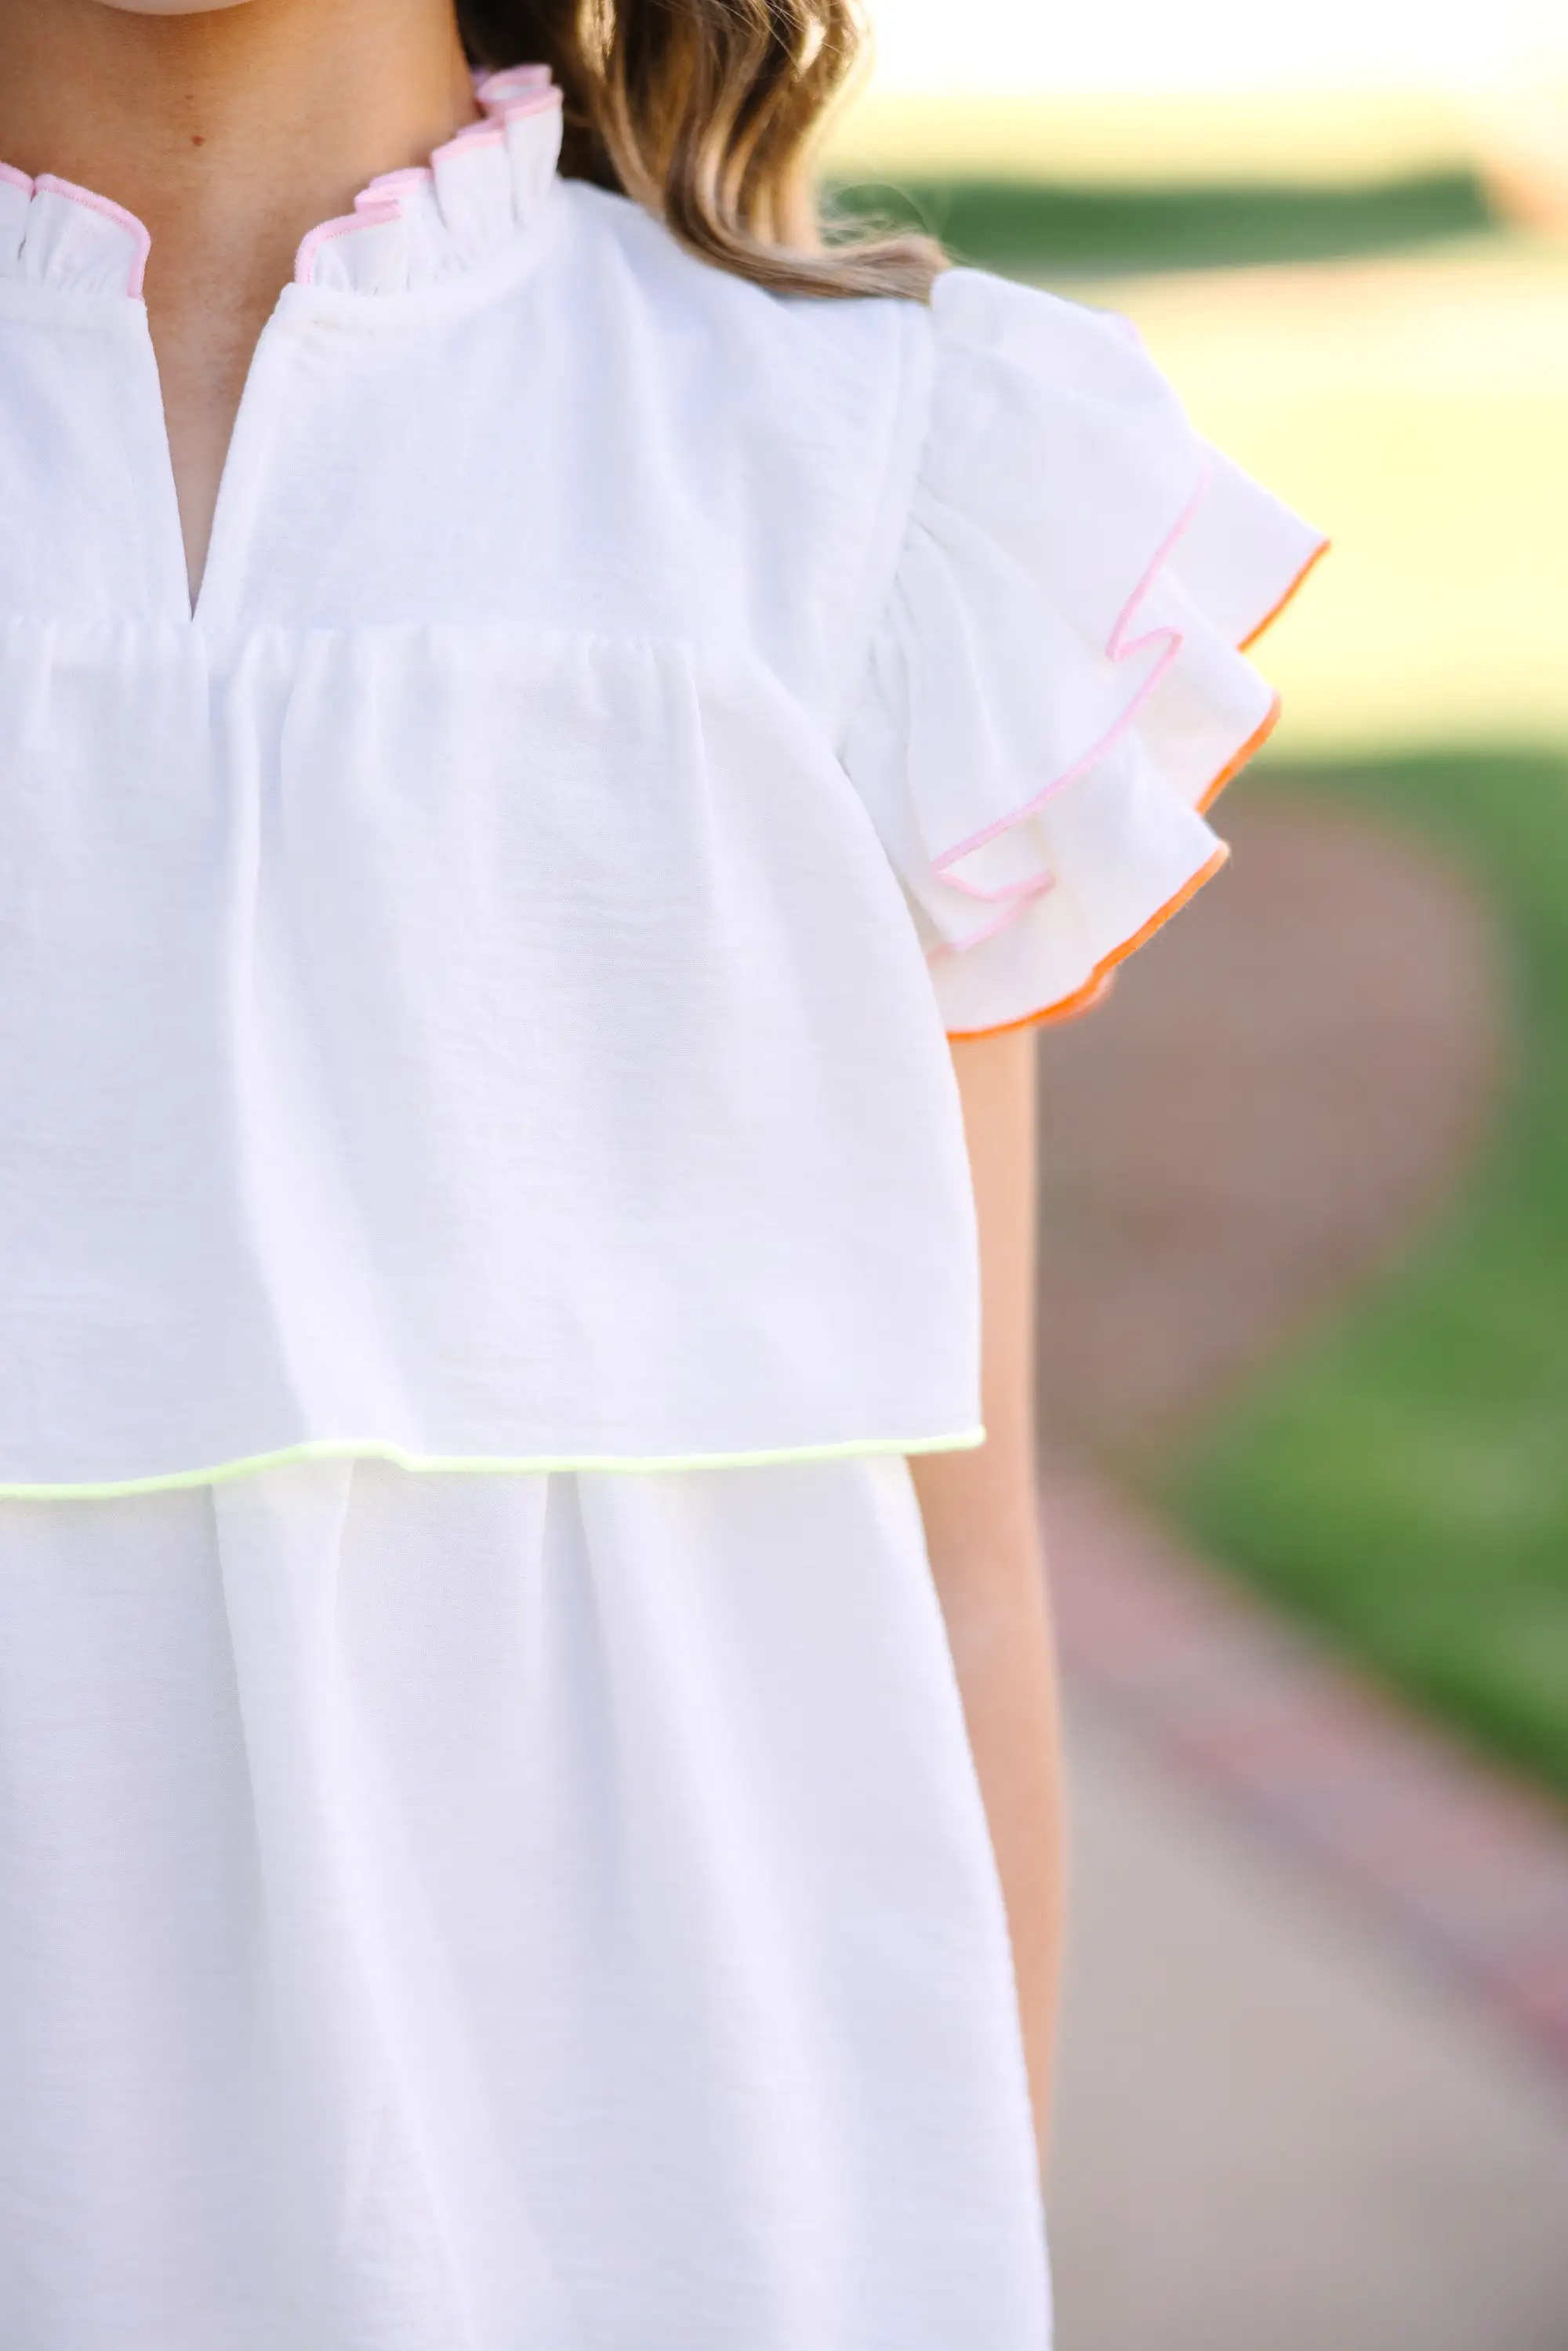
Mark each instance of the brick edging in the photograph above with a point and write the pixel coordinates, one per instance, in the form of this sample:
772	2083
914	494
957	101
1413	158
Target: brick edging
1464	1862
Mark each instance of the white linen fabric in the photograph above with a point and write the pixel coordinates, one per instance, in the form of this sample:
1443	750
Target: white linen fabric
462	987
499	1914
472	998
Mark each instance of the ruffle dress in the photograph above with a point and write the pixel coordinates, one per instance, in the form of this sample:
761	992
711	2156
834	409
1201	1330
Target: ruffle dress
489	1854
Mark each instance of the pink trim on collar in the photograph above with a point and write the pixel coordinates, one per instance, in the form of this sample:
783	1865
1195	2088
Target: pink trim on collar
141	235
379	214
509	101
519	91
537	102
508	97
498	88
473	135
412	175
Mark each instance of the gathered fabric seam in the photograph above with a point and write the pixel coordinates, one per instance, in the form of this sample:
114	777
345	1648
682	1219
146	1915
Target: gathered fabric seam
140	234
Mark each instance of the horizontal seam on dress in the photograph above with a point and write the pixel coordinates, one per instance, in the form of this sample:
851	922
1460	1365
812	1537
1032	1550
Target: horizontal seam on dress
350	1448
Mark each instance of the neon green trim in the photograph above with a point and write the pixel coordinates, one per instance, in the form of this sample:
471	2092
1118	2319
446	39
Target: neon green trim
616	1464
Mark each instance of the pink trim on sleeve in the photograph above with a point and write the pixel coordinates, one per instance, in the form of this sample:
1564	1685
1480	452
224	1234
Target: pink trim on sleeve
1012	901
1119	647
15	179
1100	978
140	234
1115	648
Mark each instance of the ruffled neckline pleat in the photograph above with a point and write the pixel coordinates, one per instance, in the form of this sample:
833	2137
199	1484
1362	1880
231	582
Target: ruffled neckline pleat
477	199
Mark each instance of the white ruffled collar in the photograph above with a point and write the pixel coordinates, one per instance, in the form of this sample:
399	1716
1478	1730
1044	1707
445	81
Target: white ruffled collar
479	197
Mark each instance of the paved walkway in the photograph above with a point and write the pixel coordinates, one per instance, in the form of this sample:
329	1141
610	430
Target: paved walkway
1315	2062
1278	2131
1465	1867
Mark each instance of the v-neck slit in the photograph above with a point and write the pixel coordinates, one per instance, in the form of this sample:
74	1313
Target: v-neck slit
415	231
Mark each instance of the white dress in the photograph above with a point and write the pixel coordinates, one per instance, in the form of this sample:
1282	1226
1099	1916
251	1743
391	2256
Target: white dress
489	1857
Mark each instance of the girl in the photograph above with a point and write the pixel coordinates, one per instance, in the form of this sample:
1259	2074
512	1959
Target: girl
532	694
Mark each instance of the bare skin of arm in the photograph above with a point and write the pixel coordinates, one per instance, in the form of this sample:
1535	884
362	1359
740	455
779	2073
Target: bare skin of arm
982	1533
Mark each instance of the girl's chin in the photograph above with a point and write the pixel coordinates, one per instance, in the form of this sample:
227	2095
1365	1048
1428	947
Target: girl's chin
170	8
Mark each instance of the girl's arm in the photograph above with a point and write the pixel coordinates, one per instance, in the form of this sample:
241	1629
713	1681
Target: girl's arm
982	1533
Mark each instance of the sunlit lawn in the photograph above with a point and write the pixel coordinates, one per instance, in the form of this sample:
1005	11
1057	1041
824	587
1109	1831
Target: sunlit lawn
1415	407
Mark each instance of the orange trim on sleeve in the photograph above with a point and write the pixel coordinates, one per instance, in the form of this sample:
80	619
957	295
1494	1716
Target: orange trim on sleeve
1273	614
1232	768
1101	977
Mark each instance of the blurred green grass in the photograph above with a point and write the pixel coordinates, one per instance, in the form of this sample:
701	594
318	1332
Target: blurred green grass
1404	1482
1036	228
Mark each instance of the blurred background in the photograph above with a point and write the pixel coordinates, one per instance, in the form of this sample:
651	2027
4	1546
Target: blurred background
1304	1302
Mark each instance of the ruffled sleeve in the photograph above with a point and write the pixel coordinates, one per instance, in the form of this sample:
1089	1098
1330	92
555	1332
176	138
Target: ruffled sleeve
1058	688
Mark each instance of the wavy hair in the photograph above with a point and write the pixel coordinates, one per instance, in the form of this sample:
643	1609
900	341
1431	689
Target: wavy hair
706	113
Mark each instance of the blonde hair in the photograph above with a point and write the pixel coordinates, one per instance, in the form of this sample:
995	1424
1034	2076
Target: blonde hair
705	112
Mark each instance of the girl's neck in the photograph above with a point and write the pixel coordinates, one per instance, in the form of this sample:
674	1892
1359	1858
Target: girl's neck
230	133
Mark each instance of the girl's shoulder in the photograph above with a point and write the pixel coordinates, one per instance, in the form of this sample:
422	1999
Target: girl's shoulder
1023	407
837	367
978	338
